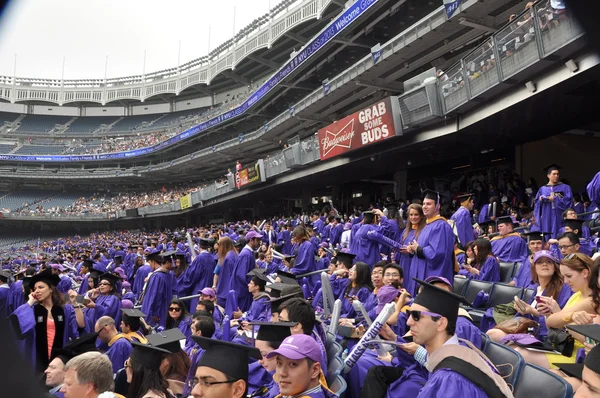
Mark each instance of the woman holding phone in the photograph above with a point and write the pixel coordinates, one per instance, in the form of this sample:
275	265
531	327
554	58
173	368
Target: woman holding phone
577	271
485	266
551	294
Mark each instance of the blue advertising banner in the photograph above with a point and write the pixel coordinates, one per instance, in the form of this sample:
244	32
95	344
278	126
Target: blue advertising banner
331	31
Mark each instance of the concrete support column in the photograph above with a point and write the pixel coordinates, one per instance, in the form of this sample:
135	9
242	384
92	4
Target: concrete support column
400	178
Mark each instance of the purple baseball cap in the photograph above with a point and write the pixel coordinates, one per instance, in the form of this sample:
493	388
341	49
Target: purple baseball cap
347	226
298	346
545	253
58	267
434	279
127	304
126	285
252	235
324	245
208	291
119	271
385	294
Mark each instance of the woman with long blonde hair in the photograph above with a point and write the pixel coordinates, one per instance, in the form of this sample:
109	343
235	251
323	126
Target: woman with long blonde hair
224	270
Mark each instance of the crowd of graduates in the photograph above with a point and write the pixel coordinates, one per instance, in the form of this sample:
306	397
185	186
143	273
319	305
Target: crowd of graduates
243	308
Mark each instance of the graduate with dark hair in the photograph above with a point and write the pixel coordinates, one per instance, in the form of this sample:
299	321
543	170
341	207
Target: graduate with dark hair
245	263
508	245
44	323
199	274
551	200
365	242
462	219
159	290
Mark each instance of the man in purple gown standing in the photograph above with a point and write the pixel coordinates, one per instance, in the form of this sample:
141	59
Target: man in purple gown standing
245	263
551	200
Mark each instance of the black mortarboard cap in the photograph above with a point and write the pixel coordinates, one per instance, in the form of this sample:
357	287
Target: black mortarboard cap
535	235
112	278
85	343
132	313
45	276
168	253
254	271
277	301
276	288
432	195
287	277
240	242
575	224
439	300
5	275
273	331
88	263
217	350
346	258
168	340
485	224
571	369
592	331
147	355
551	167
259	275
94	273
464	197
592	360
504	220
205	242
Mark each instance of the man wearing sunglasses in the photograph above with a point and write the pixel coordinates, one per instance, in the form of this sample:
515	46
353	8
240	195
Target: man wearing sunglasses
119	345
454	369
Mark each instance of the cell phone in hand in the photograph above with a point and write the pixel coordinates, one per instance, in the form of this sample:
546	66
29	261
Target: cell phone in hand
591	341
539	299
79	299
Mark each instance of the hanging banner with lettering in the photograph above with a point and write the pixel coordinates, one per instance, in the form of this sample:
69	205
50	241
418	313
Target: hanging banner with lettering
376	52
451	7
250	175
375	123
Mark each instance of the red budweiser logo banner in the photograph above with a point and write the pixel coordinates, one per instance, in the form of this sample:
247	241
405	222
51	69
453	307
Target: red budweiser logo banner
378	122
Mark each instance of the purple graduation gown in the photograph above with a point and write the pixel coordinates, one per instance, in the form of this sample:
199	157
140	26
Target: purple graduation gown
435	255
548	214
106	305
523	276
5	310
65	284
490	271
464	227
17	297
593	191
245	263
509	248
336	234
404	260
365	245
305	262
196	354
258	377
197	276
159	293
452	384
410	383
138	281
225	277
27	324
118	353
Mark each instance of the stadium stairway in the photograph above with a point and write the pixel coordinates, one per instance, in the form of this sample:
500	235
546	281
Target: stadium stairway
16	148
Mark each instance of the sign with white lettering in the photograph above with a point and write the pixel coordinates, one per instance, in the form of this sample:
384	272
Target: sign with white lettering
375	123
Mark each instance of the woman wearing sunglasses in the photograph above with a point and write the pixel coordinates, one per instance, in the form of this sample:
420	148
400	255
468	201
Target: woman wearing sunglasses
104	301
179	317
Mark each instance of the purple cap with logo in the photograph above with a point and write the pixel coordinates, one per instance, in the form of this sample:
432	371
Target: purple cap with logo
545	253
298	346
120	272
58	267
385	294
252	235
434	279
207	291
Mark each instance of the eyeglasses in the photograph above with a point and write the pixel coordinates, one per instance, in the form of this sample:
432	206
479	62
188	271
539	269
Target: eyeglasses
204	383
377	273
104	284
395	275
173	309
416	315
562	247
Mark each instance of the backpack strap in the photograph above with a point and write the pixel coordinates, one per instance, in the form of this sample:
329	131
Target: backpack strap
473	374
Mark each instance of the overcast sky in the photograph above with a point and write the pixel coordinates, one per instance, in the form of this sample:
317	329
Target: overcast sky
41	32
